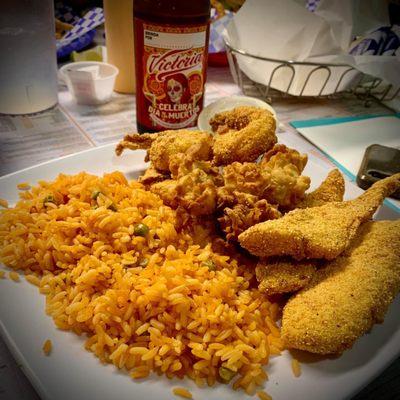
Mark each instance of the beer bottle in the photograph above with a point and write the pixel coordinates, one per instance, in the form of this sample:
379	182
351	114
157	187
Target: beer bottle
171	47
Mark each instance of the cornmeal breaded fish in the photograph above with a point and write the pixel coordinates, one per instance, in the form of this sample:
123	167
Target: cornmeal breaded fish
279	275
283	275
331	189
318	232
347	297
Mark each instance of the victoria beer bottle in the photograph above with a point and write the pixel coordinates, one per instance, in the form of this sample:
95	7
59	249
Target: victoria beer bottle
171	47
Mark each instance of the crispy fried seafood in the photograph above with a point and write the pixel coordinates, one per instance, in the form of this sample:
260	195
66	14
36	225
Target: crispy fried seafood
277	178
243	194
347	297
318	232
242	134
284	275
193	185
247	211
253	193
264	206
331	189
163	145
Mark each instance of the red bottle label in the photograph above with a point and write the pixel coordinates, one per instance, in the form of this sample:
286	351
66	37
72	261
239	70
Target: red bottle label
171	66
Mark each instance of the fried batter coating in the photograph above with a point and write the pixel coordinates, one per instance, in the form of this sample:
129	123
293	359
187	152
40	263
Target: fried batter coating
136	141
246	178
245	213
253	192
347	297
151	176
280	156
193	185
331	189
163	145
318	232
287	186
283	275
242	134
277	178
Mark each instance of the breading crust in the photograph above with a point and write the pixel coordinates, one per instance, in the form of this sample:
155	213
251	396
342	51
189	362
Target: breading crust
347	297
318	232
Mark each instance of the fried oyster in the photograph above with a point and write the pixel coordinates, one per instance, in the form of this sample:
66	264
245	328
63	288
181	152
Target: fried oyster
277	178
193	185
184	170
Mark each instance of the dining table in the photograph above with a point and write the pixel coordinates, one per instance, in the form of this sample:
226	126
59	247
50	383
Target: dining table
68	128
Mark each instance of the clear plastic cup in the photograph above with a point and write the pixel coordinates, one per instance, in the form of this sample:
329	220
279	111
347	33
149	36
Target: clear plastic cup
28	64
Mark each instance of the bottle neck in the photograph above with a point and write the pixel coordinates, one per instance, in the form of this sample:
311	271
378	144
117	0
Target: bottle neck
174	12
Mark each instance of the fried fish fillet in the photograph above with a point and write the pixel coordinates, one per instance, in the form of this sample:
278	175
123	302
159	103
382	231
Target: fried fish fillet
283	275
347	297
242	134
331	189
163	145
318	232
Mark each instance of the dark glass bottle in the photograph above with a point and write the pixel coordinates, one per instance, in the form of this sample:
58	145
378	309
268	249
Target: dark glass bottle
171	48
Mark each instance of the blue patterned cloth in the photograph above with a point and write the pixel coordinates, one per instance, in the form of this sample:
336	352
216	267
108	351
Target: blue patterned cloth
216	43
383	41
82	34
312	5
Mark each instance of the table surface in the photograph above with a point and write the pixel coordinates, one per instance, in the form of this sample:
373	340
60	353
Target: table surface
69	128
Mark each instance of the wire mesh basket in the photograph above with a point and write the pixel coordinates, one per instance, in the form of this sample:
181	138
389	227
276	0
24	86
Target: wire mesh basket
284	78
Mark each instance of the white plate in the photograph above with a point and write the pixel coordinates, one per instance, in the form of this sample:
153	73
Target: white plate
70	372
227	103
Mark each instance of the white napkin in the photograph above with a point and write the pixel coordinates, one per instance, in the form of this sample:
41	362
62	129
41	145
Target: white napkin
286	30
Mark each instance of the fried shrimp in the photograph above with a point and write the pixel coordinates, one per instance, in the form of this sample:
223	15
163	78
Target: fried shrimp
318	232
242	134
161	146
348	296
151	176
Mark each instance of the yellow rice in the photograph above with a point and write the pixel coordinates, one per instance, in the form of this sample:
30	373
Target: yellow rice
173	316
3	203
47	347
14	276
23	186
182	392
35	280
296	368
263	395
